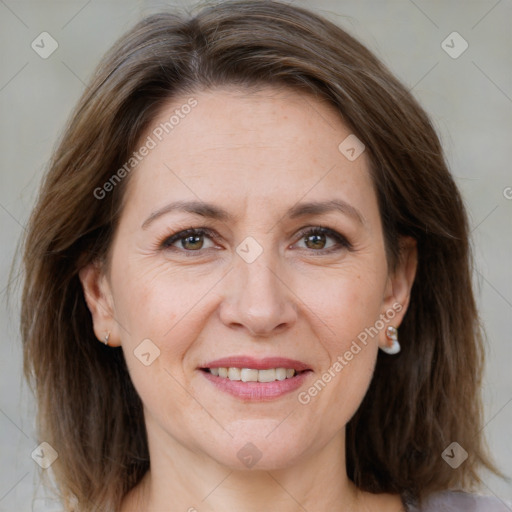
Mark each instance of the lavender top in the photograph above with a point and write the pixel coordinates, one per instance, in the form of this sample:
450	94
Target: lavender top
455	501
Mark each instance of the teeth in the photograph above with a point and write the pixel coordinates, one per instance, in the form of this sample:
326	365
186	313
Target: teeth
280	373
252	375
248	375
267	375
234	374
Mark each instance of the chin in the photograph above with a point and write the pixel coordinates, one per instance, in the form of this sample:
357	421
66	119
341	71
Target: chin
254	459
267	449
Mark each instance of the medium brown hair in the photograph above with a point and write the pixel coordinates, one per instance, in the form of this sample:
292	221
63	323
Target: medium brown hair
418	401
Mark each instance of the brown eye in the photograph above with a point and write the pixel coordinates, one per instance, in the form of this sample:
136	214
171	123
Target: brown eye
189	240
192	242
315	241
324	240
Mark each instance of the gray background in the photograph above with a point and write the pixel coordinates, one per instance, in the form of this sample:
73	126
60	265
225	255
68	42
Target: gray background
469	99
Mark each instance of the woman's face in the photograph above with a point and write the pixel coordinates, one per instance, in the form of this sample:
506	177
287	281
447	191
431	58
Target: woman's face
260	173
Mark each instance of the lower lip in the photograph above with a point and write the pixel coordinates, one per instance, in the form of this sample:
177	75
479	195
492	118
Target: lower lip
257	391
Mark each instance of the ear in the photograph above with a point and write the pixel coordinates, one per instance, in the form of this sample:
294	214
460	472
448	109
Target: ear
98	296
398	287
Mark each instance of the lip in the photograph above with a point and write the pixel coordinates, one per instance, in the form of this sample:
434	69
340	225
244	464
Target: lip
257	391
257	364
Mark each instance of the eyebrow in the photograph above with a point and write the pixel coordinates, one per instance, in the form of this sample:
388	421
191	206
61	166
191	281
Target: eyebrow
196	207
215	212
319	207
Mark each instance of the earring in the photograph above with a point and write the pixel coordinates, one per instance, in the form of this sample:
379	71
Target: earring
105	339
392	334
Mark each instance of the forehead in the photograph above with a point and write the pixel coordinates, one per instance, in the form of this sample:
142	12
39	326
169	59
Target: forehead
271	145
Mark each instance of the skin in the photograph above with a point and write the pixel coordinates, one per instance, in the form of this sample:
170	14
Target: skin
255	154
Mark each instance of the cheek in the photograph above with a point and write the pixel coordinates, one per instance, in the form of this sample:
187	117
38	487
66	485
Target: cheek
347	313
347	308
156	299
163	321
169	309
346	302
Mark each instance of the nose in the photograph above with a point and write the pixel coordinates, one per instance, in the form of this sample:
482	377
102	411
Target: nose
257	298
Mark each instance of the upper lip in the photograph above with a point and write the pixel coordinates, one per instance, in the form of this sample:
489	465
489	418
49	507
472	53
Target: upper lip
257	364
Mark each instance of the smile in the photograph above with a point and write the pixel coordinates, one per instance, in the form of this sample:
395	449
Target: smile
250	379
253	375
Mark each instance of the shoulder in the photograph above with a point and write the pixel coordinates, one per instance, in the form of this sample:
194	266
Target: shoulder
454	501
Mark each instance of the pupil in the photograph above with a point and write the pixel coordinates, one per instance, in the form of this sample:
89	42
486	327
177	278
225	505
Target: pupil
316	240
193	239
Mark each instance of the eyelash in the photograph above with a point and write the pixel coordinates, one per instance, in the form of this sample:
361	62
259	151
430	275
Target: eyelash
341	241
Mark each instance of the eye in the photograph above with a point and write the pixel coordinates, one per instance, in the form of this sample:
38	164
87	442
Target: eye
317	239
190	240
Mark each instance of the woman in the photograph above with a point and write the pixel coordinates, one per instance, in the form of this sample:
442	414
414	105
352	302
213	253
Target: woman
245	206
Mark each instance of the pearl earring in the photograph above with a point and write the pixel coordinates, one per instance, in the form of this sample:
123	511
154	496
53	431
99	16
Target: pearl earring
105	339
392	334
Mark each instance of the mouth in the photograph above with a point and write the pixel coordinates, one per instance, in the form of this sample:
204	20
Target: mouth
251	379
252	374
